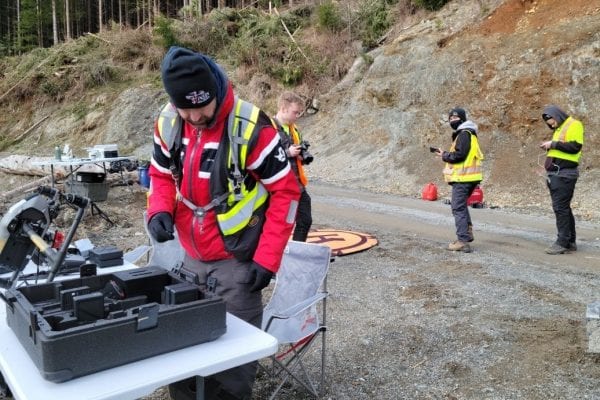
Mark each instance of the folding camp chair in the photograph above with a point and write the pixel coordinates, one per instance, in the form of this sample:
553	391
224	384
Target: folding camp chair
293	318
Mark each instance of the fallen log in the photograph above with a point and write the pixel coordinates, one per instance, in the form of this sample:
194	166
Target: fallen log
26	188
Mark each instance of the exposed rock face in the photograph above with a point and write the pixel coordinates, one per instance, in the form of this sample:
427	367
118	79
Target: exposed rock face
131	120
502	61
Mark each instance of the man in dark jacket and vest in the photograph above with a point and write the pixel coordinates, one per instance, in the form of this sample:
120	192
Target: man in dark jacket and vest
220	177
562	161
463	172
291	107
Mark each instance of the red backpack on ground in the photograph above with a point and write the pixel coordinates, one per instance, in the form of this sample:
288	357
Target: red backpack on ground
430	192
476	198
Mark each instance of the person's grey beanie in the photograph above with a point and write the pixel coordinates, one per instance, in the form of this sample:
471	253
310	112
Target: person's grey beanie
187	78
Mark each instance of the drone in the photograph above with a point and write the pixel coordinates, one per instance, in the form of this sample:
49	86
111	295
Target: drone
24	230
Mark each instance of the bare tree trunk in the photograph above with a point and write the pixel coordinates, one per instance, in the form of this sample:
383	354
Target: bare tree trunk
221	3
126	13
89	15
54	27
39	24
100	16
19	25
120	16
137	14
67	20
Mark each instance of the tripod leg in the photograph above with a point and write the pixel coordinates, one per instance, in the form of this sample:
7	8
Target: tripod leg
97	211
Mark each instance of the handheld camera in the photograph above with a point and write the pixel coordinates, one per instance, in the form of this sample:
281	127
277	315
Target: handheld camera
307	158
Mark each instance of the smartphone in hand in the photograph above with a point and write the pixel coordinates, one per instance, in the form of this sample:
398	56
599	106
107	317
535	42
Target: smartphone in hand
433	149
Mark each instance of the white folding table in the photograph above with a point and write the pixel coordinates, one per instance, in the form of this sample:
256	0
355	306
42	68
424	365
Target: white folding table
241	344
74	164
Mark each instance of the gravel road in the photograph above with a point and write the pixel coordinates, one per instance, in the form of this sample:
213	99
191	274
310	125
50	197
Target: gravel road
411	320
408	319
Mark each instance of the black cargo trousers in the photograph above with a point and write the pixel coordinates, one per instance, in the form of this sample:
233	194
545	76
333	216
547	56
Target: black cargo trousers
561	192
303	217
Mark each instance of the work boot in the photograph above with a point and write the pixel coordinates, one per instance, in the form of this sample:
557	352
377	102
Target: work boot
459	246
470	232
556	249
572	246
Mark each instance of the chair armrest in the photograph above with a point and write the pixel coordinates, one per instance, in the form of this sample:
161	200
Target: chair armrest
298	308
134	255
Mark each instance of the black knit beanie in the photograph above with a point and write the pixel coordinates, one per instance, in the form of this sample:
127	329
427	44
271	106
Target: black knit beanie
458	112
187	78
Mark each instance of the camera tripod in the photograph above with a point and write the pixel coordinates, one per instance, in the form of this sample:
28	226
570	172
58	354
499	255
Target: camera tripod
98	211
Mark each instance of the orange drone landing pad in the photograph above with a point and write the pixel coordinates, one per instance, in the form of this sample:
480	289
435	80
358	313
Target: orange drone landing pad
342	242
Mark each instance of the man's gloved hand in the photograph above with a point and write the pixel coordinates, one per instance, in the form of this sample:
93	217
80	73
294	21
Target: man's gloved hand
160	227
258	277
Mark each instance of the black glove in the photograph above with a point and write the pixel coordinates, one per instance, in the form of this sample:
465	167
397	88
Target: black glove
160	227
258	276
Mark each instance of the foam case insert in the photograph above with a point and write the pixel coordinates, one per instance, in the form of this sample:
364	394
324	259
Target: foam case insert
75	327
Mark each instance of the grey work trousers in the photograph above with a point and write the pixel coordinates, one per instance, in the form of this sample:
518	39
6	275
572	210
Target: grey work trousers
462	219
233	287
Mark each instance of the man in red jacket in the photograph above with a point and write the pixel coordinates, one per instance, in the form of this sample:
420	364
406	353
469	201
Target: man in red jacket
203	179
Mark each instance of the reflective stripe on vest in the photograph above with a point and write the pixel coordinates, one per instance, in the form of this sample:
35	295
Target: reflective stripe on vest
241	202
240	214
470	169
560	135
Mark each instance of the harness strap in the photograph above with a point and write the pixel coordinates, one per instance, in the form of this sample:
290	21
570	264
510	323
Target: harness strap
198	211
236	141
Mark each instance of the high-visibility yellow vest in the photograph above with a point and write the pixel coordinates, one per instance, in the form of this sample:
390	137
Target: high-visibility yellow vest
469	170
571	130
236	204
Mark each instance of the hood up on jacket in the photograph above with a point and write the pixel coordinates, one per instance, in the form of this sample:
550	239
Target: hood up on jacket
555	112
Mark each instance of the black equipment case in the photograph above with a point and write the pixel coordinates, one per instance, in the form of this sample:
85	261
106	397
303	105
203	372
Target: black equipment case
76	327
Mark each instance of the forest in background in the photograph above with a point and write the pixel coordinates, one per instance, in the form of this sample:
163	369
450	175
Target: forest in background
27	24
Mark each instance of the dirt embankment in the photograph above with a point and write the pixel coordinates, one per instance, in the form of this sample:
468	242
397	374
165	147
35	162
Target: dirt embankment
503	61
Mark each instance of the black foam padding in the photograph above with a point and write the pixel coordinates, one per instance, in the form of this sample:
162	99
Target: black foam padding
89	307
108	263
180	293
64	347
66	296
105	253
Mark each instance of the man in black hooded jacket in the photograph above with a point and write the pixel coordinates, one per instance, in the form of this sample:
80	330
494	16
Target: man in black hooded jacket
562	161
